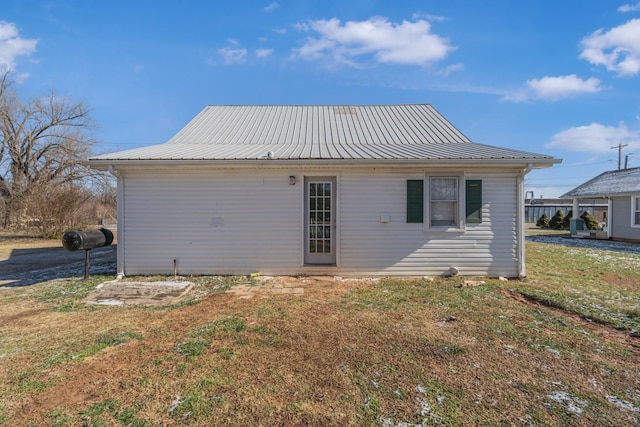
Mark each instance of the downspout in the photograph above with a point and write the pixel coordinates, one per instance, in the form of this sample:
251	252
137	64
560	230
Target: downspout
120	213
522	271
609	216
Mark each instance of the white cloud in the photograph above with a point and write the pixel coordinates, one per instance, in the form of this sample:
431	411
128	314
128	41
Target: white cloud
271	7
450	69
595	138
409	43
617	49
428	17
563	86
12	45
629	8
554	88
302	27
263	53
233	56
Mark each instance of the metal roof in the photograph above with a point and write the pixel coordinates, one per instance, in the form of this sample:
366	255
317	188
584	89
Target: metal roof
618	182
320	132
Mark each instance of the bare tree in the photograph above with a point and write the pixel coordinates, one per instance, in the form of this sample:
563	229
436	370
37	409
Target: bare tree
42	145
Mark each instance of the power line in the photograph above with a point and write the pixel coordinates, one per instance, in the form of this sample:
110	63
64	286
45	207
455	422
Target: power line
619	147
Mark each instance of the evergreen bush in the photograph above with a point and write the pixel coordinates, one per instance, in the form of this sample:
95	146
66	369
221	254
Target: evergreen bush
566	222
556	220
543	221
590	221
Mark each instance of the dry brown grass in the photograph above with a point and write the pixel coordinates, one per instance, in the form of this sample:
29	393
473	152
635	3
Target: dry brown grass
346	352
12	241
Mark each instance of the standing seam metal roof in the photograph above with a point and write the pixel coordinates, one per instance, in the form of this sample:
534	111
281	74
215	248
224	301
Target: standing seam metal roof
305	132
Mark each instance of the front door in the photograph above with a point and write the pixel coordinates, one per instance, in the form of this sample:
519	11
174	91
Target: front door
320	220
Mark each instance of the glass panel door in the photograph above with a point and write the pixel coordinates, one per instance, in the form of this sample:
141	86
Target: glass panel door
320	245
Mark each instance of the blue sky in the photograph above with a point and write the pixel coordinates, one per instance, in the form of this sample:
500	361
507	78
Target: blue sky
554	77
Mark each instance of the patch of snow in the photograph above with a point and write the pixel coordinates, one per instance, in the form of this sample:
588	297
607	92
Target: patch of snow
177	401
425	408
511	351
109	302
622	404
552	350
604	245
479	398
571	402
421	389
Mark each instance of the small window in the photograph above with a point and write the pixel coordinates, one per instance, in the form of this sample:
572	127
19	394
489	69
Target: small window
443	200
415	200
635	211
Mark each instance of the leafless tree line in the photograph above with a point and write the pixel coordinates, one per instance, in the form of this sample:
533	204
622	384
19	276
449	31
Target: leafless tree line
44	183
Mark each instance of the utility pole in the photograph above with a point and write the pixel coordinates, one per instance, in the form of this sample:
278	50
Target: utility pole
619	147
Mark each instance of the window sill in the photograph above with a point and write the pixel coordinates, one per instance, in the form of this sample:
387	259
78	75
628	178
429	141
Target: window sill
444	230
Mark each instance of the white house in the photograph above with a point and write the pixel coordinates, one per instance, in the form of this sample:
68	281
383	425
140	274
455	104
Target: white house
621	188
373	190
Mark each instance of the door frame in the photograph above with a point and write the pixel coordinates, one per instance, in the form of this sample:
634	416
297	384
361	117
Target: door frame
332	258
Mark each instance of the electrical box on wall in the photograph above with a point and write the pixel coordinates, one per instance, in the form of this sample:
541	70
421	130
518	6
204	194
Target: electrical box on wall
384	217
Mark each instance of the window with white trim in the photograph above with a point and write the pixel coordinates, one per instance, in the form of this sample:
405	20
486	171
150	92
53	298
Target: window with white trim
443	203
444	197
635	211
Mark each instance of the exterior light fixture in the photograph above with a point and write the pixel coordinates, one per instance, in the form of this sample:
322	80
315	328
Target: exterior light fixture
292	180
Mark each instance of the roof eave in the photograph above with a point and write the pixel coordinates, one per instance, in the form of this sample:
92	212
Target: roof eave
600	195
105	164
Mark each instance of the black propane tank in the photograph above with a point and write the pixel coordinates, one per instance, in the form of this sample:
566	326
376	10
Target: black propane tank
87	240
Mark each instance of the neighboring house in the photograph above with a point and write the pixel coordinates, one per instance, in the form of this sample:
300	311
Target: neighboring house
535	208
622	190
375	190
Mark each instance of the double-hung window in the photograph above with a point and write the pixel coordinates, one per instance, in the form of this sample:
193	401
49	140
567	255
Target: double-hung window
443	201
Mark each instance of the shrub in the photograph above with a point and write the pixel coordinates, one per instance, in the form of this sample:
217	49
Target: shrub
543	221
566	222
556	220
590	221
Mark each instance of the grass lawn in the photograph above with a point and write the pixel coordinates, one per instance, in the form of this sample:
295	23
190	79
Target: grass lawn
559	348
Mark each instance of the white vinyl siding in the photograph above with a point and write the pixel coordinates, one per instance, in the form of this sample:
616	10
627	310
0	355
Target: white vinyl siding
245	221
211	222
400	248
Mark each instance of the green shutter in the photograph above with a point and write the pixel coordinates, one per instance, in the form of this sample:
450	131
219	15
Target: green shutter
415	197
473	191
